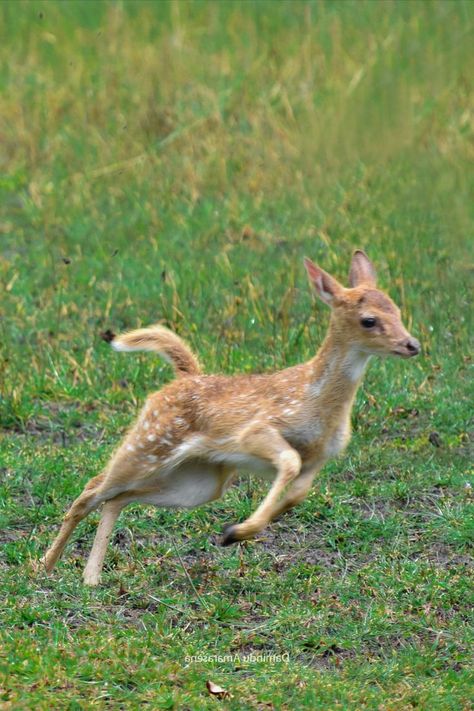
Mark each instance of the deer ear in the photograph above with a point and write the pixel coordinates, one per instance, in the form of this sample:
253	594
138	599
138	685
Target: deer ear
327	288
362	270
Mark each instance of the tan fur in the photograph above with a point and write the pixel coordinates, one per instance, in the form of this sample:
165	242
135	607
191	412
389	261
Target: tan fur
194	433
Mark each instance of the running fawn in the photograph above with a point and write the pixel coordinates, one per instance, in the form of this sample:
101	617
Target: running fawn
196	432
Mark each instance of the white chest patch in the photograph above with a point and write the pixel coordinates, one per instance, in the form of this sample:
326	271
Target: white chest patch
354	364
315	389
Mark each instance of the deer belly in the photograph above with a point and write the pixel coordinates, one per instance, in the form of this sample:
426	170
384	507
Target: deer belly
245	464
189	485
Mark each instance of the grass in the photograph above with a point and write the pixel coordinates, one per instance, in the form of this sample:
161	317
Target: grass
174	162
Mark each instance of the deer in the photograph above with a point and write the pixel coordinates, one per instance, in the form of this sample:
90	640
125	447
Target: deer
194	434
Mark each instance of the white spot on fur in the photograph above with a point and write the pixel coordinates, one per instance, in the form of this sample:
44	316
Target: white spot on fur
151	437
146	425
130	447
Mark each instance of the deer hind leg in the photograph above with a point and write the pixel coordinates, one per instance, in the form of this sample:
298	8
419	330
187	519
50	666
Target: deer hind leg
191	485
83	505
269	445
112	482
110	512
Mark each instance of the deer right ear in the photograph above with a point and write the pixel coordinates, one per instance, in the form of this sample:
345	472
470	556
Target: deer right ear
362	270
326	287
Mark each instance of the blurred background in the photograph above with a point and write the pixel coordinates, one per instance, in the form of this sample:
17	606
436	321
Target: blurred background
174	161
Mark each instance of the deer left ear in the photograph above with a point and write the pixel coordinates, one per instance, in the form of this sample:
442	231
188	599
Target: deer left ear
362	270
326	287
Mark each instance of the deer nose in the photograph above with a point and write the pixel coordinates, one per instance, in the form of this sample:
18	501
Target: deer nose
413	346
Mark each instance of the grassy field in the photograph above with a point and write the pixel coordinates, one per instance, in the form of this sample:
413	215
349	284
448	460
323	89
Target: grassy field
175	162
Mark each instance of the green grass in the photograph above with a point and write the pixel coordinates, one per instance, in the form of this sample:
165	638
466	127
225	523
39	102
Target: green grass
175	162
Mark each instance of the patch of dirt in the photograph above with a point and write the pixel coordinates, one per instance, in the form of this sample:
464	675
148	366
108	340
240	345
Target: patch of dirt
444	556
123	539
288	547
49	424
13	535
409	426
44	429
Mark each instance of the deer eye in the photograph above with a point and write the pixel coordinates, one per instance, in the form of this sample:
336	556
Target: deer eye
368	322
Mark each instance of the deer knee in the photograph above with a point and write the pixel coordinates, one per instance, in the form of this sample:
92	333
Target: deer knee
83	505
74	515
289	462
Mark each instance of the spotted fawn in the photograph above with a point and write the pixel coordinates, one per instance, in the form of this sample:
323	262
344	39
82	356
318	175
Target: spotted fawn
195	433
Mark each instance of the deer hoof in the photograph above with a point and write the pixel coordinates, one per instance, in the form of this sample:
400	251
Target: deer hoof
229	535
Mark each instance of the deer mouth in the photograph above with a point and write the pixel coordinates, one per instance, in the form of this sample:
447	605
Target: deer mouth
405	353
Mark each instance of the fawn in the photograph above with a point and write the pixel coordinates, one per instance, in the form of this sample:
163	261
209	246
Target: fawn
193	434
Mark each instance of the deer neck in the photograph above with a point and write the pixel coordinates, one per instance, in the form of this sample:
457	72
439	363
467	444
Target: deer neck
336	373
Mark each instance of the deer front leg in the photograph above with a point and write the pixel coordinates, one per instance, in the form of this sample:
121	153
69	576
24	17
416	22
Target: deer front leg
269	445
296	493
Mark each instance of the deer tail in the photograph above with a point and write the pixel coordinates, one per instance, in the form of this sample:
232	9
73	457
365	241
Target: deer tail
163	341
